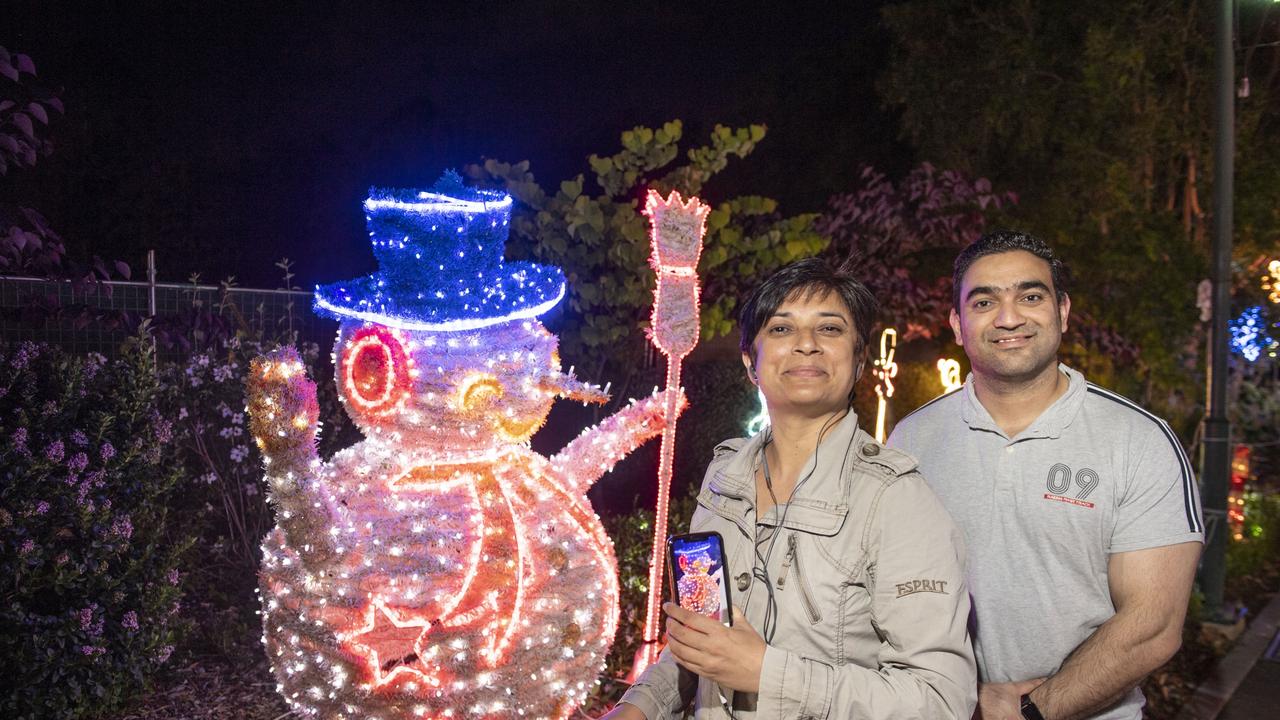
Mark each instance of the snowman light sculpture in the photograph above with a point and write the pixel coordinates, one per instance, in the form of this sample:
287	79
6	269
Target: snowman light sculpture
439	568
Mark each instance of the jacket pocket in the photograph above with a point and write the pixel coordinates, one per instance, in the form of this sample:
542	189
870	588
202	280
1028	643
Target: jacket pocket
806	592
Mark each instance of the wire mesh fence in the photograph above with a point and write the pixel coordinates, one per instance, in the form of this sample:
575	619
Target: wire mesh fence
264	312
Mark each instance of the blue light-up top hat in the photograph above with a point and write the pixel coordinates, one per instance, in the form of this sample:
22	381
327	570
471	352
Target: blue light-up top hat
440	264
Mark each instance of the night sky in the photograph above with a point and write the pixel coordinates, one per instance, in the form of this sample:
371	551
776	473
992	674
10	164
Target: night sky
226	138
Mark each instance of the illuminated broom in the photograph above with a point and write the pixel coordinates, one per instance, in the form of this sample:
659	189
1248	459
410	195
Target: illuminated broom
676	230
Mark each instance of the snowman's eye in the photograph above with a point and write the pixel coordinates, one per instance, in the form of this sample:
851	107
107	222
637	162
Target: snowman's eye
376	370
474	390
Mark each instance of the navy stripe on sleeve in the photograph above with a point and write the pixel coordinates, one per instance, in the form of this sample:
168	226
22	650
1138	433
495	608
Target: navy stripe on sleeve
1188	477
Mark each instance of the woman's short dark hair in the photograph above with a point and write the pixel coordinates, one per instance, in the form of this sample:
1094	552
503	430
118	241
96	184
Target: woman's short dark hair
804	279
1003	241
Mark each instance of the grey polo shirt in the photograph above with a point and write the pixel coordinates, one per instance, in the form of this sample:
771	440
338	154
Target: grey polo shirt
1041	512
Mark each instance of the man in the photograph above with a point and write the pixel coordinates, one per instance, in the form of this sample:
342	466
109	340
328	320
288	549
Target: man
1079	508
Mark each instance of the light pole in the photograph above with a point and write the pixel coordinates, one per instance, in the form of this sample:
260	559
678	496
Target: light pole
1215	456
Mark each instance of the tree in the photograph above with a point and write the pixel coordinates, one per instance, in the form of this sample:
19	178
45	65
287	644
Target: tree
28	243
600	239
900	239
1099	113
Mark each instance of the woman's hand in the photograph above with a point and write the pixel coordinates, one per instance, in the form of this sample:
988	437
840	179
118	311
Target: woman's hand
728	656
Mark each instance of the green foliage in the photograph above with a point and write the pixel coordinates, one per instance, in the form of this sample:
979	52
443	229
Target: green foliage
632	540
88	554
721	401
1260	544
1099	113
1253	408
600	238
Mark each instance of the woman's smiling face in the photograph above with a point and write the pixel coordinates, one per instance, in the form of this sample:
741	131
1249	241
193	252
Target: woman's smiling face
806	355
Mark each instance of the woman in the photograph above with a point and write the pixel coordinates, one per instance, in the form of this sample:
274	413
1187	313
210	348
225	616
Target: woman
850	598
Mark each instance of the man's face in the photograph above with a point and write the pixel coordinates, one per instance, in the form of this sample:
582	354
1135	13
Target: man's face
1009	322
805	355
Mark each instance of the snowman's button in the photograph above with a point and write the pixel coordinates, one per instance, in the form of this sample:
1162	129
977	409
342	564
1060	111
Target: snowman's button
743	581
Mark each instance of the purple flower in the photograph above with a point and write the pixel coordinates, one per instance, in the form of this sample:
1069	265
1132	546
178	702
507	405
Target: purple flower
23	356
130	620
107	451
92	650
92	364
50	407
162	655
164	431
82	496
20	438
55	451
173	576
86	617
63	558
42	507
78	462
27	546
79	438
122	527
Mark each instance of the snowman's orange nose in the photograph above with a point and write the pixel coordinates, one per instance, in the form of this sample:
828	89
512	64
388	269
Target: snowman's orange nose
475	390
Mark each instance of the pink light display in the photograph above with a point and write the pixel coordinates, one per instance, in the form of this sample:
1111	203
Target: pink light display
439	568
676	231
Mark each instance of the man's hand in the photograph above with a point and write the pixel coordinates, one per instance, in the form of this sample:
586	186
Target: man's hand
728	656
1003	701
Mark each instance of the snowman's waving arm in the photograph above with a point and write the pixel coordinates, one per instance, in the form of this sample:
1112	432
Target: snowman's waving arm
600	447
284	417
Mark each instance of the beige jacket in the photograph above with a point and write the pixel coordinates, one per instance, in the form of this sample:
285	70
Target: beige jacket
868	578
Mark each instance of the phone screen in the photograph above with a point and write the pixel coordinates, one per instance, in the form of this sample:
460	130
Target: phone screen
698	574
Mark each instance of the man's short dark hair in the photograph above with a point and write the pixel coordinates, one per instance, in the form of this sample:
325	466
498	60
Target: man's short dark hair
1003	241
804	279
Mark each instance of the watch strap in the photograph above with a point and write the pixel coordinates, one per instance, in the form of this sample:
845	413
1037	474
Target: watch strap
1029	709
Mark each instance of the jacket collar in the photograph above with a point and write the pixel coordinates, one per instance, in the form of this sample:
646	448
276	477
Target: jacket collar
820	502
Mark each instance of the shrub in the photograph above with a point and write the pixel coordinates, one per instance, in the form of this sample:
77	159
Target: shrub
88	559
223	500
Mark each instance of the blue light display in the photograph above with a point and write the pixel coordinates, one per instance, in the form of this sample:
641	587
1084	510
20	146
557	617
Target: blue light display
1249	335
440	265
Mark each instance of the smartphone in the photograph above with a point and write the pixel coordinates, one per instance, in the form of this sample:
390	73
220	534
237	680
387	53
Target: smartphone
698	574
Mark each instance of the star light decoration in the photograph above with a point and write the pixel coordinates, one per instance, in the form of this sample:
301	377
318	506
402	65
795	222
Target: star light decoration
439	568
676	231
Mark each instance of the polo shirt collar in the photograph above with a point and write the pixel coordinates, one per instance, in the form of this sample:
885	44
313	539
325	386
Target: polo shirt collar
1056	418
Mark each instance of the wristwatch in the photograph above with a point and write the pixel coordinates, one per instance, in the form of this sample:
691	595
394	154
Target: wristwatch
1029	709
